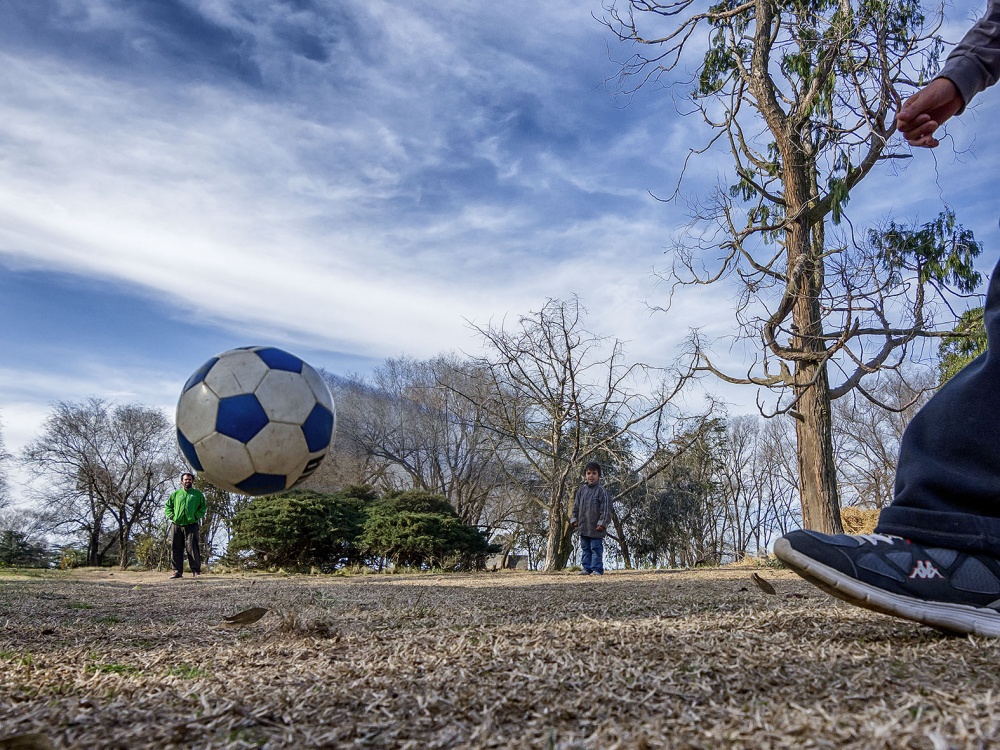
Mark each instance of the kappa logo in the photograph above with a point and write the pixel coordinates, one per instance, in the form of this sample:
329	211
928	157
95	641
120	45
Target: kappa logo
925	569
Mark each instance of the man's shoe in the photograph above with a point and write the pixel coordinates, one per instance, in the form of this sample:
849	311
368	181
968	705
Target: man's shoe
946	589
584	573
176	575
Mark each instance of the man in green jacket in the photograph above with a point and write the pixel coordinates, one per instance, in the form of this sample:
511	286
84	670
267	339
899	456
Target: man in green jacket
185	509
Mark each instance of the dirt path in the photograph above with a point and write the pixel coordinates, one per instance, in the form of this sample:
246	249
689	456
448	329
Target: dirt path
105	659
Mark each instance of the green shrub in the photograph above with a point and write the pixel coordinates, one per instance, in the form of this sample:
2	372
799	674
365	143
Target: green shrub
300	529
17	549
417	529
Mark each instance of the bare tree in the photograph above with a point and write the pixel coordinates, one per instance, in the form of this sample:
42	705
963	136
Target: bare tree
106	469
414	431
560	395
867	436
5	458
802	96
756	485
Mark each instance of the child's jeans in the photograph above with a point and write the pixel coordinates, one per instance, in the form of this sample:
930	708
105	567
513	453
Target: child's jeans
592	554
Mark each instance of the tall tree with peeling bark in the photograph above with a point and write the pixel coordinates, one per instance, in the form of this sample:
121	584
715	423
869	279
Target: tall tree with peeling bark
802	96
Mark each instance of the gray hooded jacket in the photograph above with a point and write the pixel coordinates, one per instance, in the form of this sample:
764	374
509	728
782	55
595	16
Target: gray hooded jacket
974	64
591	508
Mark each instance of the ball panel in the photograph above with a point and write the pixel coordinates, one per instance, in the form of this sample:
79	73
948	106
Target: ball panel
226	461
279	449
285	396
319	387
262	484
199	374
189	451
310	467
237	371
196	412
240	417
279	359
318	428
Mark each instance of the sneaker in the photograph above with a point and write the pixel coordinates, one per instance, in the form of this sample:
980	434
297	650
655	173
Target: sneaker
946	589
176	575
584	573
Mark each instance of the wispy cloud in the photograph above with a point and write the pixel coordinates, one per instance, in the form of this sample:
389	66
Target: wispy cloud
355	179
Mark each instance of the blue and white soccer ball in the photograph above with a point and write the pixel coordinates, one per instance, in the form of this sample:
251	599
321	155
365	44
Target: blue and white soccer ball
255	420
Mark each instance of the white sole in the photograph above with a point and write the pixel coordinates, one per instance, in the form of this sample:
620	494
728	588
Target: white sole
953	618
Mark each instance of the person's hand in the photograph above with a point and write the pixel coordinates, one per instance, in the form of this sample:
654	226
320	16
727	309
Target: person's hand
926	111
599	528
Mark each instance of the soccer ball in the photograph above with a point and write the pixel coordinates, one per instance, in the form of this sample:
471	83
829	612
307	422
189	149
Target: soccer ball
255	420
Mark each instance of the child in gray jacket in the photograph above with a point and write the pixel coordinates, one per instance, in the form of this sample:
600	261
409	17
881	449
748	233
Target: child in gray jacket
591	516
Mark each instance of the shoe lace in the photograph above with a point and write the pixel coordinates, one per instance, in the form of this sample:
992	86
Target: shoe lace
876	538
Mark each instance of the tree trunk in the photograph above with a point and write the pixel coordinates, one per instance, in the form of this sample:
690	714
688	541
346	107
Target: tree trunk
817	470
622	541
813	409
559	544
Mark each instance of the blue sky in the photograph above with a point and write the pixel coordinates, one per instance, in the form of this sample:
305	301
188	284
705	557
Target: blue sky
350	180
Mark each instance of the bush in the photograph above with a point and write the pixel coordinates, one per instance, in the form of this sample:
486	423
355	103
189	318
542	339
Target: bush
300	529
418	529
18	550
152	552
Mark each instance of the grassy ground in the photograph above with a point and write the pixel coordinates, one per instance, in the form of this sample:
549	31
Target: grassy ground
704	659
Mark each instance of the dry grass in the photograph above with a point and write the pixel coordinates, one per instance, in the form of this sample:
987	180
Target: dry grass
859	520
701	659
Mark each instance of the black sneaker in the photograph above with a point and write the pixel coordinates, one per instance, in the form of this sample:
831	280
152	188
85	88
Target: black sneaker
946	589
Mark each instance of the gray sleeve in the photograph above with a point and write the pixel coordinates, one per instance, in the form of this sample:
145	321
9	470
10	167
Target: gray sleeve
974	64
605	519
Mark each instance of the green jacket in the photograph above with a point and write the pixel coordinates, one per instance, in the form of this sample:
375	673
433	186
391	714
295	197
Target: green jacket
186	506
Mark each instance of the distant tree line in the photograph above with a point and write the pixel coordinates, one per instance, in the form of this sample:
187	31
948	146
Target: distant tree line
454	453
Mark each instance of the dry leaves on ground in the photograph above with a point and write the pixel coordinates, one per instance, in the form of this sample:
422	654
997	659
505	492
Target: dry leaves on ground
700	659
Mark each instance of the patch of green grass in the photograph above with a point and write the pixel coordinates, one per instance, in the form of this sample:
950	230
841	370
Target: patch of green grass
186	671
80	605
108	620
25	658
253	736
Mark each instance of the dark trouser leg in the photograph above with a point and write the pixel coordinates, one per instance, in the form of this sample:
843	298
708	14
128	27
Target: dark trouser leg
177	548
947	489
597	554
193	543
585	553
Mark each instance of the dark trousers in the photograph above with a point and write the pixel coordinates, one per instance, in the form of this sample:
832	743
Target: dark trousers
186	538
947	490
592	554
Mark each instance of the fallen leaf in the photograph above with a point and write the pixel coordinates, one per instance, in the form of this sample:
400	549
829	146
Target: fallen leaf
762	584
246	617
25	742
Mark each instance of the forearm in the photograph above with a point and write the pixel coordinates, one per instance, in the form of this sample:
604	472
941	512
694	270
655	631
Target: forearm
974	64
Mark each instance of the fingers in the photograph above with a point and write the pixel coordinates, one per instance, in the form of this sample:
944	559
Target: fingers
926	111
920	131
